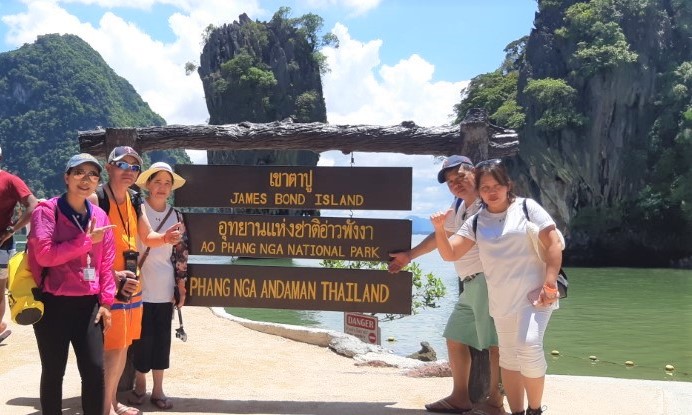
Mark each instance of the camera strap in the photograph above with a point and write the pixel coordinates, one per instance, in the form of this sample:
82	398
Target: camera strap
158	228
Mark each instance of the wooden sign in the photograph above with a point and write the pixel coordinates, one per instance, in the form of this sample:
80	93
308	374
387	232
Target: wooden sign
295	187
264	236
366	291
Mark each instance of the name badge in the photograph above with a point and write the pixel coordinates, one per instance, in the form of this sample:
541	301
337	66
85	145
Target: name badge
88	271
89	274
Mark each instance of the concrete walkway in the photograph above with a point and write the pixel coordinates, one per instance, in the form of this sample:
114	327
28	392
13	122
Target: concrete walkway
226	368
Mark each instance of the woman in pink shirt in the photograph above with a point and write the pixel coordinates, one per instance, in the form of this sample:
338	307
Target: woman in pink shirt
72	240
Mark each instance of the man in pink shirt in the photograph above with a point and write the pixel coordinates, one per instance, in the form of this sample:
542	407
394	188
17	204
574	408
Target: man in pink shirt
12	191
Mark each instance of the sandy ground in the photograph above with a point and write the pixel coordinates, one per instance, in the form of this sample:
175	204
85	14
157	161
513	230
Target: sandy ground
227	368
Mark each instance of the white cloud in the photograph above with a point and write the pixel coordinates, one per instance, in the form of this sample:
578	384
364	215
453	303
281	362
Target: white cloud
354	7
358	90
154	68
221	6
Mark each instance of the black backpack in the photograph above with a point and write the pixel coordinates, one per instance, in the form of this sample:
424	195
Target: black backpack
105	204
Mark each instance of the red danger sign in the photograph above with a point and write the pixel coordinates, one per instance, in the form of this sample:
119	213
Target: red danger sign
364	322
362	326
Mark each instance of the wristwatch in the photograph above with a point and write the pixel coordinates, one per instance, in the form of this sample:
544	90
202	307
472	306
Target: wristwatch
10	230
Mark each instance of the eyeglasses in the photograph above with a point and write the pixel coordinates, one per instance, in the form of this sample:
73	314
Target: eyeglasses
127	166
92	176
486	163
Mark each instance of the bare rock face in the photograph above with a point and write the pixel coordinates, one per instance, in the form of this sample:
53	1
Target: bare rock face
261	72
425	354
603	164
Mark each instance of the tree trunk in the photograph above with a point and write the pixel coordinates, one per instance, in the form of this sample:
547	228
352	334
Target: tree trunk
405	138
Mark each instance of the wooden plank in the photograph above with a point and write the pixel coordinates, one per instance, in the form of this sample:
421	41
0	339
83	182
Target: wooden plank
405	138
265	236
365	291
295	187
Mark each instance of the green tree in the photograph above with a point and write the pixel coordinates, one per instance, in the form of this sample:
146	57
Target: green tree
555	99
50	90
496	91
601	42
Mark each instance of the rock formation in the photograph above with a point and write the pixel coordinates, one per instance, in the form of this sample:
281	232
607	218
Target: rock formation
261	72
583	172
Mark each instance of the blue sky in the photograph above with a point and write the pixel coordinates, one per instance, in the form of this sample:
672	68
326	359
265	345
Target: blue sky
398	59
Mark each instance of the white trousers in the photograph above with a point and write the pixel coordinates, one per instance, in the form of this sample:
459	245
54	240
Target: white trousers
520	337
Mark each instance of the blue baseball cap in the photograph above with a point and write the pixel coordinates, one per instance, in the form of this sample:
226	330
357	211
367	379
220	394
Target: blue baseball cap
451	162
80	159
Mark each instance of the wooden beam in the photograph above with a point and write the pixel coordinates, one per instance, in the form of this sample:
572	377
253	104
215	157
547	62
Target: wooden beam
406	138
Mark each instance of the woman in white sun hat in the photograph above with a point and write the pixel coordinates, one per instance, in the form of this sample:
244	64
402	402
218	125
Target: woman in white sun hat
163	285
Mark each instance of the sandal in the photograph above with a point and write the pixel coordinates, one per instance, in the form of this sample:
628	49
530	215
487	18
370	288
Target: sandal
487	408
127	410
444	407
161	403
136	398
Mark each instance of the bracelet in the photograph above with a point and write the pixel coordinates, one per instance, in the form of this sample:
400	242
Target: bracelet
549	289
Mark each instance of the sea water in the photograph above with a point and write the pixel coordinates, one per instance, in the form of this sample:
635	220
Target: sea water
612	316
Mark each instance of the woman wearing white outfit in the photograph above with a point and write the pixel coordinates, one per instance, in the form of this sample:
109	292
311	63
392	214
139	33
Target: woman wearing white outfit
522	289
159	279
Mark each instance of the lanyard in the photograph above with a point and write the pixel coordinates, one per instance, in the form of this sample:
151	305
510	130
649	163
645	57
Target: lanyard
126	225
79	225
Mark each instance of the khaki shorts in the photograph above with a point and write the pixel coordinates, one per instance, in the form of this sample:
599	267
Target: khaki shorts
470	322
126	323
5	255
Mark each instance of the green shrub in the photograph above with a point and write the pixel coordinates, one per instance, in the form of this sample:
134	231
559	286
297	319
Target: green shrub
555	99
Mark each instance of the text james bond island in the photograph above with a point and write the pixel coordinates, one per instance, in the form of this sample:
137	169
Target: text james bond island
296	187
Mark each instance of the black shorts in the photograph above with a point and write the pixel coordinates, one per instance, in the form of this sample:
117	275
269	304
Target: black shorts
153	350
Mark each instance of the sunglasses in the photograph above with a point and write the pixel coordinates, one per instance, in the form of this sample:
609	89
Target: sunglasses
487	163
92	176
127	166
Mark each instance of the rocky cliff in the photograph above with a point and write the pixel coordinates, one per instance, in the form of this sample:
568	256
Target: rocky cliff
50	90
262	72
598	170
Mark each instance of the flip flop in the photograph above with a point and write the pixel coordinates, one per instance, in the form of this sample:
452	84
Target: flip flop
161	403
127	410
444	407
486	408
136	398
5	335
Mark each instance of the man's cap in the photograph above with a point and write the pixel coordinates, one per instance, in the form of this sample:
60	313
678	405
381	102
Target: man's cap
80	159
451	162
178	180
119	152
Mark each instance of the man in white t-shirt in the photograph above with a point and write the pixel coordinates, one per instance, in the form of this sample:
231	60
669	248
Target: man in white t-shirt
470	324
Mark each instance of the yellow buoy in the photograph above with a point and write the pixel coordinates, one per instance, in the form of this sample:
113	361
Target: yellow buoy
629	363
391	339
555	353
670	368
593	358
